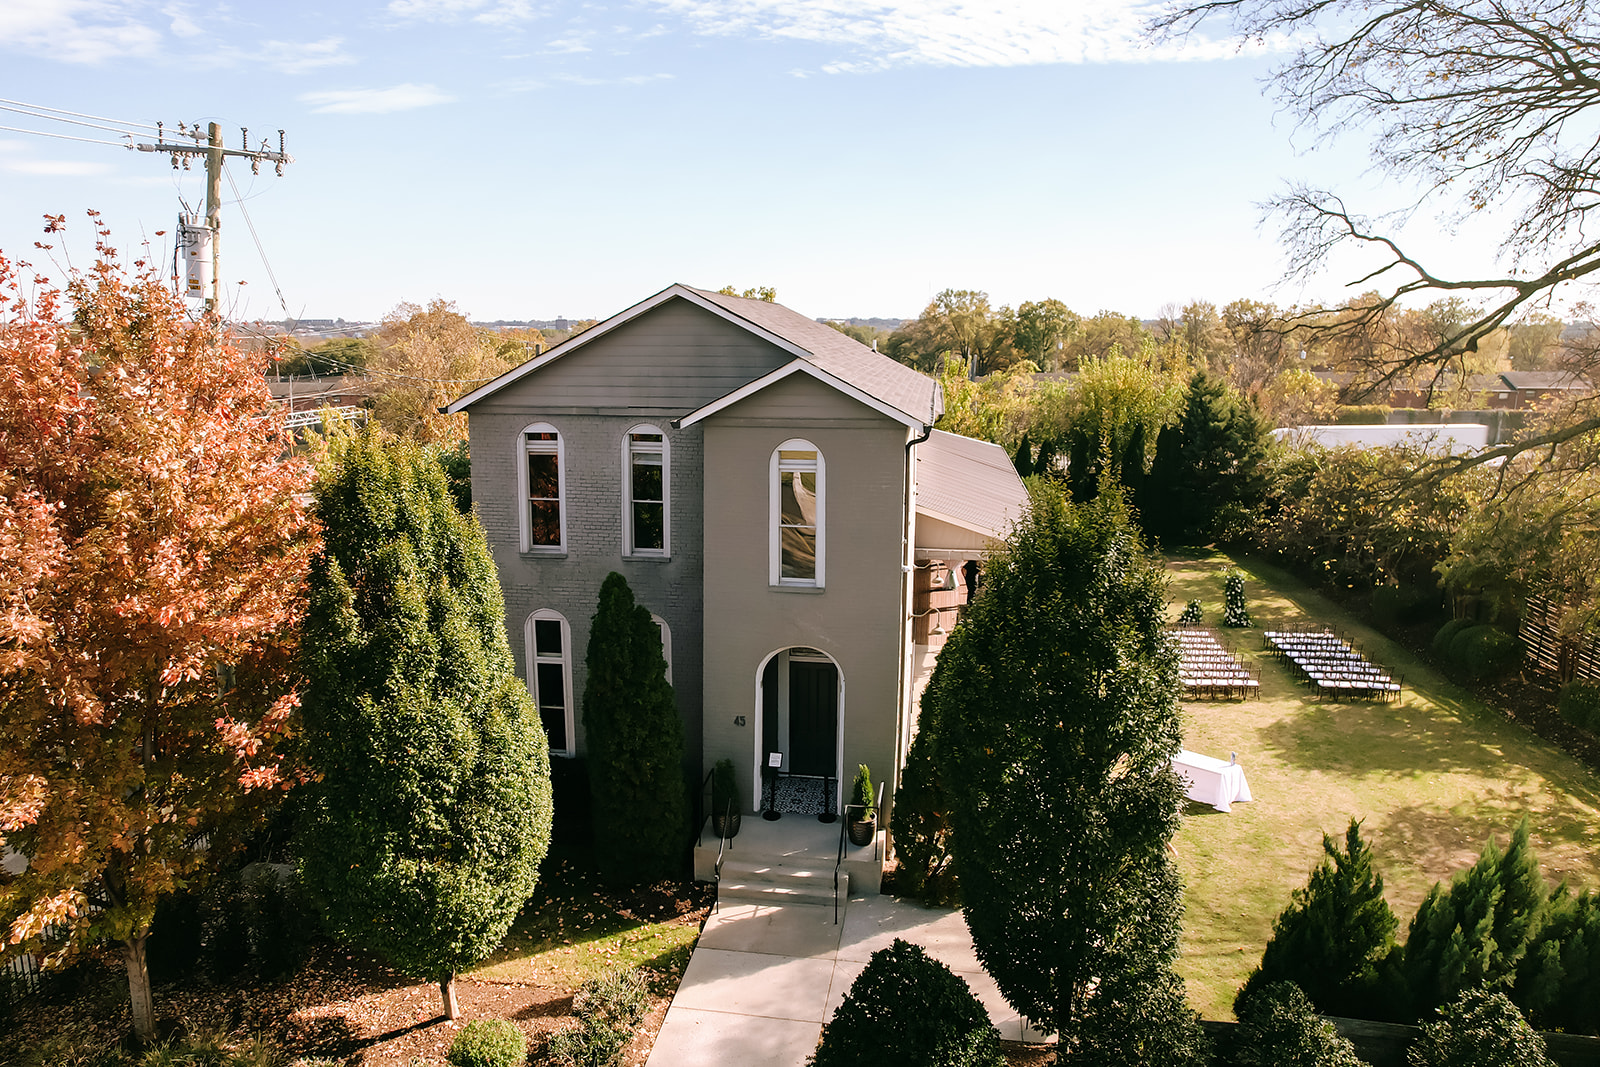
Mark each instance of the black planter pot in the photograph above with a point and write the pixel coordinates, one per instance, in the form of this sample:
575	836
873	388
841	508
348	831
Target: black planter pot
862	831
726	825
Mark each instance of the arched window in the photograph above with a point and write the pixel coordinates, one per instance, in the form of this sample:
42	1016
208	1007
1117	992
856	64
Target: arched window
549	643
666	642
798	528
646	507
542	477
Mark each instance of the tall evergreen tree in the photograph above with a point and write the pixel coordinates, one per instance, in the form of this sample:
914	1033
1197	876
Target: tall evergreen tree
1558	981
1476	932
1214	477
1335	935
432	812
1057	707
635	742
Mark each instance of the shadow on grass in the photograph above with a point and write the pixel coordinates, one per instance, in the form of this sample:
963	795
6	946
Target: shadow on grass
1360	738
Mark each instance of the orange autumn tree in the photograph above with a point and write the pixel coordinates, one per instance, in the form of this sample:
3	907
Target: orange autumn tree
153	552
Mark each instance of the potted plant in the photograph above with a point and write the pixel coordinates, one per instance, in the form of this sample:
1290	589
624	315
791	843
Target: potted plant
724	800
863	816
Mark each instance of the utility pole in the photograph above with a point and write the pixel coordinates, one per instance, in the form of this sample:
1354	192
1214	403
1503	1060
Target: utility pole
213	151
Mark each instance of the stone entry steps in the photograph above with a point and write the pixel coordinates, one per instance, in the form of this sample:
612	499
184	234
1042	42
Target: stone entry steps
776	883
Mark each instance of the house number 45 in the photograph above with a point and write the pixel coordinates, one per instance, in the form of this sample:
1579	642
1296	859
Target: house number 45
738	720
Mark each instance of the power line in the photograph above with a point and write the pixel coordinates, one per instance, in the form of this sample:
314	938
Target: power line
79	115
68	136
72	122
262	252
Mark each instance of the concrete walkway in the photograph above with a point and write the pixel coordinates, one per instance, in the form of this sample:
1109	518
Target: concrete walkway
763	979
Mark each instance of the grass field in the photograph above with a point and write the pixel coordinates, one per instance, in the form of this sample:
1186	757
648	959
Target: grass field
1432	776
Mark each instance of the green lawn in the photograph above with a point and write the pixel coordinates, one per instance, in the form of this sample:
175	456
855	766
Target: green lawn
572	931
1432	776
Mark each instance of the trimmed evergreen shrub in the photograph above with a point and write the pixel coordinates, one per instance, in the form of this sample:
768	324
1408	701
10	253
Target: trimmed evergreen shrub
906	1008
1447	633
1279	1028
607	1008
1579	704
1234	611
1484	651
919	825
1558	981
177	937
637	788
280	922
1332	939
1476	932
1191	614
1361	415
488	1043
1479	1029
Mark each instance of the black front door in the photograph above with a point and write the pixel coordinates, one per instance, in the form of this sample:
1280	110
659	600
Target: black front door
813	718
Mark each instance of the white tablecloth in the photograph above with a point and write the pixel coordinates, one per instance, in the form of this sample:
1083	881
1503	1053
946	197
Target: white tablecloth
1210	780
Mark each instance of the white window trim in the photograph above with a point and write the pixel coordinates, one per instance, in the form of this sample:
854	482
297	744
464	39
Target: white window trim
522	488
775	517
628	549
532	660
666	642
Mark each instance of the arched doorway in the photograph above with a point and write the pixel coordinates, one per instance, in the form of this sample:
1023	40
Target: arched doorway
800	701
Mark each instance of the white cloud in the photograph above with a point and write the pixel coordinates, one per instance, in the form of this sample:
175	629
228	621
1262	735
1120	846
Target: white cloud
489	12
631	79
297	57
182	25
966	33
77	31
564	46
405	97
16	157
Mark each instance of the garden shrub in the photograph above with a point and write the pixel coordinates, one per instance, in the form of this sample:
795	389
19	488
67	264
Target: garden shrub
280	923
1362	415
488	1043
920	826
1333	937
1579	704
1484	651
1479	1029
607	1007
906	1008
1447	633
177	937
1191	614
1279	1028
227	944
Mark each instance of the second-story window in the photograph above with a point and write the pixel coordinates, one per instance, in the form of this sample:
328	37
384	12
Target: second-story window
543	526
798	529
645	511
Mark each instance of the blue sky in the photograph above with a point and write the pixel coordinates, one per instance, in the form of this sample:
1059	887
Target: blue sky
533	159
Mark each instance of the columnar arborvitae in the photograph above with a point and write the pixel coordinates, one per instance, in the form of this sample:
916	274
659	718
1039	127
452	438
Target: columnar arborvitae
1208	476
1057	705
635	744
431	814
1335	935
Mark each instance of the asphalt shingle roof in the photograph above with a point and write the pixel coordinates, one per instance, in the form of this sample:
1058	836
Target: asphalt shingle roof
969	482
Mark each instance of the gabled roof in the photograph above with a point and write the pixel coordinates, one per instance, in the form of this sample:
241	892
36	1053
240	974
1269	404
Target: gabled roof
842	359
1545	379
969	483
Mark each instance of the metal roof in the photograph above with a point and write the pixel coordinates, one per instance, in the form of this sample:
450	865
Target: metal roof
970	483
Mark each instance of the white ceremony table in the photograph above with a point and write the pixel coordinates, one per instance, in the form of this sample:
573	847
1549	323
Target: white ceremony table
1210	780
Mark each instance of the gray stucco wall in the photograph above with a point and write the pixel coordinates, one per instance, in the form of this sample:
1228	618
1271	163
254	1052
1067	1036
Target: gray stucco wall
856	619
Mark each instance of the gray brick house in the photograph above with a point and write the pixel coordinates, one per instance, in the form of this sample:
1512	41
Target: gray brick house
775	494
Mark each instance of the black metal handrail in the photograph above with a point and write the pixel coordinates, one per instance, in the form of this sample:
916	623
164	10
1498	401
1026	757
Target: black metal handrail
838	861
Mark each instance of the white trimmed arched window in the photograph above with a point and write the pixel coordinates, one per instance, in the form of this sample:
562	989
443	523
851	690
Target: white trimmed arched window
797	537
549	659
542	485
646	500
666	642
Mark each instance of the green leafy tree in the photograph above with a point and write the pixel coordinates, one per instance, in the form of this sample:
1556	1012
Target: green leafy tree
1476	932
1057	708
432	811
1278	1027
906	1009
1334	936
635	744
1479	1028
1210	478
1040	330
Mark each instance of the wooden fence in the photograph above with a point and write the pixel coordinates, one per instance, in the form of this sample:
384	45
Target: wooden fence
1547	649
